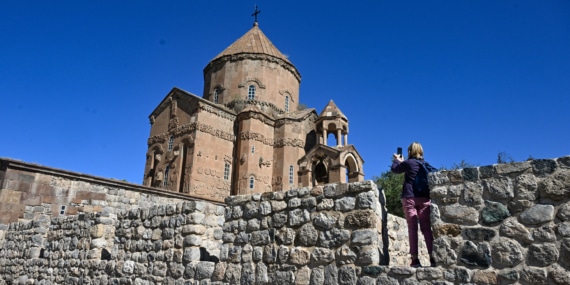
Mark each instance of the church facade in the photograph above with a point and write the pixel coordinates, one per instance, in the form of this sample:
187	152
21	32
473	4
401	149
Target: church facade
247	133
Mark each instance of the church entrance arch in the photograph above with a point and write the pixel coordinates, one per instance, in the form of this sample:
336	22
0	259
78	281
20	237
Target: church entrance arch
321	173
352	168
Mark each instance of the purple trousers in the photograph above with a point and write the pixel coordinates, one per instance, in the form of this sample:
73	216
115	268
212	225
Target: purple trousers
418	210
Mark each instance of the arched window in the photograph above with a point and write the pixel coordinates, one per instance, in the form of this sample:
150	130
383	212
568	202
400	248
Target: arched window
216	95
286	103
251	182
166	170
291	177
251	93
170	143
227	171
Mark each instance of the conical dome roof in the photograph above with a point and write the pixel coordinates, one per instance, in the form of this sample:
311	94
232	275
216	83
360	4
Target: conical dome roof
254	41
331	110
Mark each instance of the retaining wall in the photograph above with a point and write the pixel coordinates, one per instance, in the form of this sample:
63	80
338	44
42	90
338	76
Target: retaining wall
498	224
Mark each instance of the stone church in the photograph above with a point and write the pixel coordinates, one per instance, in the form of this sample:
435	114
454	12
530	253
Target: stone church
247	133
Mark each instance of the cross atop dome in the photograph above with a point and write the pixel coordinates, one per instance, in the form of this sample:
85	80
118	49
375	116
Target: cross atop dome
255	13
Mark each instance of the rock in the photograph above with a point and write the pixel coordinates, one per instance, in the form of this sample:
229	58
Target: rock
364	237
331	274
333	238
344	255
506	253
366	200
345	204
298	217
459	214
261	273
260	238
361	219
285	236
299	256
346	275
307	235
542	254
335	190
499	188
484	277
544	166
322	256
479	234
533	275
476	254
513	229
303	276
317	275
493	213
556	187
368	255
537	215
324	221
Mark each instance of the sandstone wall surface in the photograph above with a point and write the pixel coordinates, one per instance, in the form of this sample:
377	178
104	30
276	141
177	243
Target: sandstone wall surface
34	192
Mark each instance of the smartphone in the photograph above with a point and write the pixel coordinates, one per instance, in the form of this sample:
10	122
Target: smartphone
399	152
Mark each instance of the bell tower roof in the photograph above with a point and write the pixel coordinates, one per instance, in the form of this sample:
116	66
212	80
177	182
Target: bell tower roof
254	41
331	110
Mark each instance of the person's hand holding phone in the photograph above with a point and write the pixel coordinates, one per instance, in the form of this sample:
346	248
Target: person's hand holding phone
398	155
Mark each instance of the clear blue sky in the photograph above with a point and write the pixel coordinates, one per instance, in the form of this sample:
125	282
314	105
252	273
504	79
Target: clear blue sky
467	79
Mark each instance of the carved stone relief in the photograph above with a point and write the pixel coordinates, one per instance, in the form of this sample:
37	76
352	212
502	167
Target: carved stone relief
215	191
277	183
173	106
186	186
266	163
281	142
216	111
188	128
173	124
266	180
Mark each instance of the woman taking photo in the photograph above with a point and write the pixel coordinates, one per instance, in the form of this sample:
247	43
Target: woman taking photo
416	204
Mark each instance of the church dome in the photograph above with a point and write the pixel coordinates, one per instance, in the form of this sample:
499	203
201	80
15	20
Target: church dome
254	41
253	69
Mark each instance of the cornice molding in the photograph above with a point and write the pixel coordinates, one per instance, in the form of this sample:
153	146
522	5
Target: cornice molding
214	64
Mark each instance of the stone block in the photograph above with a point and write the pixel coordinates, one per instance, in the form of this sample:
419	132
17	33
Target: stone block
69	210
544	166
97	231
537	215
10	196
25	186
31	199
361	219
485	277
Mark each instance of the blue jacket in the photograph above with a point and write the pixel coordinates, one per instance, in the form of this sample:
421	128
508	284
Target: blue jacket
410	167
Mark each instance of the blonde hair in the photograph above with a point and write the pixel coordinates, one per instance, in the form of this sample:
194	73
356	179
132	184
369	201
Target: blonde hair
415	150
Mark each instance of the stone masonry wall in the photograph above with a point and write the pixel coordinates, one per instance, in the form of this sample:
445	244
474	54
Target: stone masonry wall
166	244
322	235
503	224
498	224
